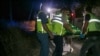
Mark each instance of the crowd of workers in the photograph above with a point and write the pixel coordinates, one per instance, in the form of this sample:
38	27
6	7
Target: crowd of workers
31	35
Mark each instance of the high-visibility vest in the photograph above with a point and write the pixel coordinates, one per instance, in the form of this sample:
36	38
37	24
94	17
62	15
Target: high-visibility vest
57	25
94	23
40	27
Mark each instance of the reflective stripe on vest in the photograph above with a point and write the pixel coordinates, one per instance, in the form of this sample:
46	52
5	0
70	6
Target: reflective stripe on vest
38	19
94	20
57	19
60	15
93	25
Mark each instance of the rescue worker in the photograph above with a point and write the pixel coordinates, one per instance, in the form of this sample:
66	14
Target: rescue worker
65	18
91	27
57	28
58	25
68	29
43	31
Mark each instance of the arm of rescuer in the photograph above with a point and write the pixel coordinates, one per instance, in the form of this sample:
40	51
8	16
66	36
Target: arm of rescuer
66	24
44	20
85	23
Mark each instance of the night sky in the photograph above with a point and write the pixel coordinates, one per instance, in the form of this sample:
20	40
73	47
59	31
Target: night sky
5	6
63	2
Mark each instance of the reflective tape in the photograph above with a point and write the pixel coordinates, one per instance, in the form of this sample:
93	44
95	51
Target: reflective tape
58	21
57	18
38	19
94	20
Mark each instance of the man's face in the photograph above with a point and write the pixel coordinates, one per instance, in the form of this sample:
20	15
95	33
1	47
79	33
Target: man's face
28	25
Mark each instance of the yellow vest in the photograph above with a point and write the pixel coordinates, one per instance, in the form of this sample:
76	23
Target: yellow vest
40	27
57	25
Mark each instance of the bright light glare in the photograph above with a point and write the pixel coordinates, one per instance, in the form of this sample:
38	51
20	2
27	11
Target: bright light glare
48	9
